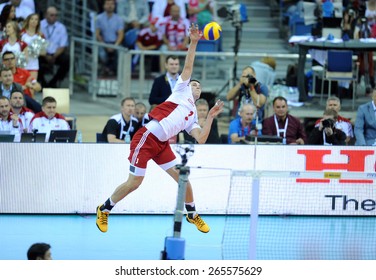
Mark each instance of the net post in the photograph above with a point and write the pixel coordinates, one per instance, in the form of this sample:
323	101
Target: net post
254	215
182	189
174	248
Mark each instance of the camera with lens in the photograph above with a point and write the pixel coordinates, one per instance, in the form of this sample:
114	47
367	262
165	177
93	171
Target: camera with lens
328	123
251	80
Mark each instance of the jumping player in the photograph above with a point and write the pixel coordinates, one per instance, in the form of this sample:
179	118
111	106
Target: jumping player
177	113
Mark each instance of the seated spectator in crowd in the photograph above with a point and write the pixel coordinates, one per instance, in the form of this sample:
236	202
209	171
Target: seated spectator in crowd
23	8
326	132
365	123
175	32
9	122
30	32
39	251
140	113
8	14
342	123
17	104
57	37
21	76
163	85
242	126
149	38
202	107
13	42
283	124
201	12
48	119
119	125
109	29
265	69
163	8
7	86
135	14
249	90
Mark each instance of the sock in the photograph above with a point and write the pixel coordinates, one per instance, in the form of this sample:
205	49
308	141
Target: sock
108	205
191	209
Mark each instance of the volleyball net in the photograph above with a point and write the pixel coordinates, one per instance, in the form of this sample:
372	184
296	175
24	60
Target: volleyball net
300	215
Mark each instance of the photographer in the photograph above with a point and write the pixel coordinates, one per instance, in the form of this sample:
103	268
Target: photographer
326	133
249	90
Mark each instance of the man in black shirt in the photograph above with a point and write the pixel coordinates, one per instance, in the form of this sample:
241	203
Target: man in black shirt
119	125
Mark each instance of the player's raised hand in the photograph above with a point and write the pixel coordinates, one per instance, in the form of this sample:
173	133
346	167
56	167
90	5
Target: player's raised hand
194	33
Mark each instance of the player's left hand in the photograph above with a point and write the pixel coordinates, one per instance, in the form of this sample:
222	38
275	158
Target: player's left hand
216	109
195	34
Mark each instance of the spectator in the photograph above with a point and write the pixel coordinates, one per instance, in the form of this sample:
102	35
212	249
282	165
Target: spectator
56	34
370	12
163	8
348	23
140	114
342	123
39	251
201	12
365	124
119	125
362	30
149	38
48	119
7	86
249	90
21	76
30	32
243	125
109	29
17	103
7	14
23	8
283	124
202	107
9	122
13	40
163	85
326	132
175	32
135	15
265	69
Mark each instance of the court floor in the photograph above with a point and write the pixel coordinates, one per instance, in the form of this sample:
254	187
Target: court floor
141	237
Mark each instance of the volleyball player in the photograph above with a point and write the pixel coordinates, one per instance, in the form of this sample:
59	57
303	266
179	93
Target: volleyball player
177	113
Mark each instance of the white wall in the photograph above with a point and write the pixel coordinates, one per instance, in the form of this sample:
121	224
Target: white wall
70	178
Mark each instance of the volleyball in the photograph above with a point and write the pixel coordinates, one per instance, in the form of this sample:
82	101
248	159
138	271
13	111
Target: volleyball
212	31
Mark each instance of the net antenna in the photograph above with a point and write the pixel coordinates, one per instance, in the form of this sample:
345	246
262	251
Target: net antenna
174	248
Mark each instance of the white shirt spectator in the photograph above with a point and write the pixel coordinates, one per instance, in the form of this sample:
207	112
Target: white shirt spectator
56	34
160	6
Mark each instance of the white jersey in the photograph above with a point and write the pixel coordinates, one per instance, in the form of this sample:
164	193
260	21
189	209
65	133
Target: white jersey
45	125
177	113
7	125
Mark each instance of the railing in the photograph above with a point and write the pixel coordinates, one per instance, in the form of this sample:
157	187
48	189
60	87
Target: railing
124	74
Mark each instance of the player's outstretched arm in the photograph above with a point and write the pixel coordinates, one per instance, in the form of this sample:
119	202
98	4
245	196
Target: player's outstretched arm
201	134
194	36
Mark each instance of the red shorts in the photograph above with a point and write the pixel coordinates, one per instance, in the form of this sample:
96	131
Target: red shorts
146	146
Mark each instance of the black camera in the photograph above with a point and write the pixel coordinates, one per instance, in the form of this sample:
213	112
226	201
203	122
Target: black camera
328	123
251	80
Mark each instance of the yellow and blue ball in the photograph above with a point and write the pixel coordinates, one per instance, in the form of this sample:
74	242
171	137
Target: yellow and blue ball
212	31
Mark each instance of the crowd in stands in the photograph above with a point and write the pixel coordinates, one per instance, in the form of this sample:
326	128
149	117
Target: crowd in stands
157	27
30	47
